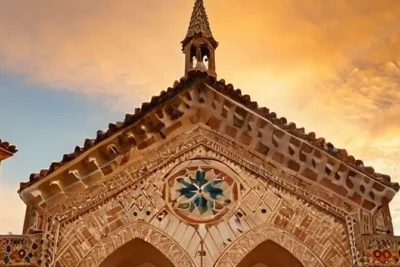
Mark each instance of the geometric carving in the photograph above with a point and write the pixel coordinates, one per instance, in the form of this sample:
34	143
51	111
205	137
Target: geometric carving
20	249
381	226
380	250
366	222
252	200
144	231
266	197
35	221
201	191
247	242
259	193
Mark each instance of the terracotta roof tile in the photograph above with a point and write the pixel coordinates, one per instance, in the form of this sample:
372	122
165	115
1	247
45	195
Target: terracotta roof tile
8	147
311	138
236	95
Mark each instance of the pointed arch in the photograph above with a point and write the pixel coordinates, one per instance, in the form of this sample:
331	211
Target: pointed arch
142	233
136	252
245	244
276	256
380	220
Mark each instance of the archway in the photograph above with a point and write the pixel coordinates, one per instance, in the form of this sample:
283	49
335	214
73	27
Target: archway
267	240
137	252
135	236
269	253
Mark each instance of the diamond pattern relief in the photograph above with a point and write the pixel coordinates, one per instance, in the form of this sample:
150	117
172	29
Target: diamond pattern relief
252	200
150	189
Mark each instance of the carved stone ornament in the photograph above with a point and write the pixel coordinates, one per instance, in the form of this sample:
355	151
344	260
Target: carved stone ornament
200	191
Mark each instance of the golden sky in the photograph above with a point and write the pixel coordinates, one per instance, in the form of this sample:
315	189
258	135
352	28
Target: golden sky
332	66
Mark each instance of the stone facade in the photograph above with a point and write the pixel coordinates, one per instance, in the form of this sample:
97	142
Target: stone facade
206	177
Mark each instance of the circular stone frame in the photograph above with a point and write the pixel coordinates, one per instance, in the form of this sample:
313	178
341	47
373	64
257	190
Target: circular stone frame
201	191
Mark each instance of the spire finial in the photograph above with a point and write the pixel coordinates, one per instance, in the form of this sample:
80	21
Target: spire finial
199	21
199	44
199	24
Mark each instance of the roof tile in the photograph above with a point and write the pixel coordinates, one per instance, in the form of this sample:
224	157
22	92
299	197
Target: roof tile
8	147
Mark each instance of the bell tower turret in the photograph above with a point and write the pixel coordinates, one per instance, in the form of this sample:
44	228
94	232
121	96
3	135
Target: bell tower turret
199	45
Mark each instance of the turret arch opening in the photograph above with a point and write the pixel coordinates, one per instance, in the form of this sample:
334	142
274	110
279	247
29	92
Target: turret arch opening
193	56
137	252
205	55
269	254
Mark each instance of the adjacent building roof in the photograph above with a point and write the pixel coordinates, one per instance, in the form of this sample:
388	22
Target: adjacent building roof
234	94
7	147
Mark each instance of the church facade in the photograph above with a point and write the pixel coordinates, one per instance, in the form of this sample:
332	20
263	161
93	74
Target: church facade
202	176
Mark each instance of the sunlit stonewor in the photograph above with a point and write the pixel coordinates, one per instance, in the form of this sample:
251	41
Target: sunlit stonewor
202	176
201	192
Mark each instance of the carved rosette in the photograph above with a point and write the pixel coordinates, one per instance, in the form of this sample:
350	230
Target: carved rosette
201	191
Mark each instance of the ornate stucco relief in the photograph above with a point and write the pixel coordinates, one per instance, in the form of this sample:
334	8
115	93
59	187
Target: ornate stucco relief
261	201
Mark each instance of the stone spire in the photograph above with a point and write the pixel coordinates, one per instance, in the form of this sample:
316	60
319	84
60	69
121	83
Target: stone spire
199	45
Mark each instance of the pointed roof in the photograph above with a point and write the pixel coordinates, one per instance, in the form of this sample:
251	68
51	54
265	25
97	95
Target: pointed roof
199	21
199	24
228	91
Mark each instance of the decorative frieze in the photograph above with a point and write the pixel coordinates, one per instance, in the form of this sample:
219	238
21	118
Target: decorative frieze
222	172
23	249
211	144
259	200
201	104
381	250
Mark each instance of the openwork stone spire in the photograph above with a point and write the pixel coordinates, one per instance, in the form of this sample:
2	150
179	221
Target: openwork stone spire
199	45
199	21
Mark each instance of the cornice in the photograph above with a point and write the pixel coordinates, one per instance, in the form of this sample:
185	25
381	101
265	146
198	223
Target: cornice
202	100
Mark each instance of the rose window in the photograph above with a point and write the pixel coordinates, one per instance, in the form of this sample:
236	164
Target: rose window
202	191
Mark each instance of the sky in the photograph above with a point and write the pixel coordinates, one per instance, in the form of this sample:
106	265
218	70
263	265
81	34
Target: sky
68	68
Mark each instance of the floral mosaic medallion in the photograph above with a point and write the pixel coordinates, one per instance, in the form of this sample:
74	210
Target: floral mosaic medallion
201	191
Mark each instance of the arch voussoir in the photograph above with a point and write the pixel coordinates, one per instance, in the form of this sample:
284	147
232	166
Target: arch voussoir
172	251
250	240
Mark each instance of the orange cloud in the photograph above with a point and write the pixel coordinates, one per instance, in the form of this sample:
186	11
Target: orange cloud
331	66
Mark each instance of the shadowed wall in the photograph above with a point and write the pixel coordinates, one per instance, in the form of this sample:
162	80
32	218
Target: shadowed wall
268	254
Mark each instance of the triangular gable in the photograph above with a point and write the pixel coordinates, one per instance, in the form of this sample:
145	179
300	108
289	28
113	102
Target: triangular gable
198	96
